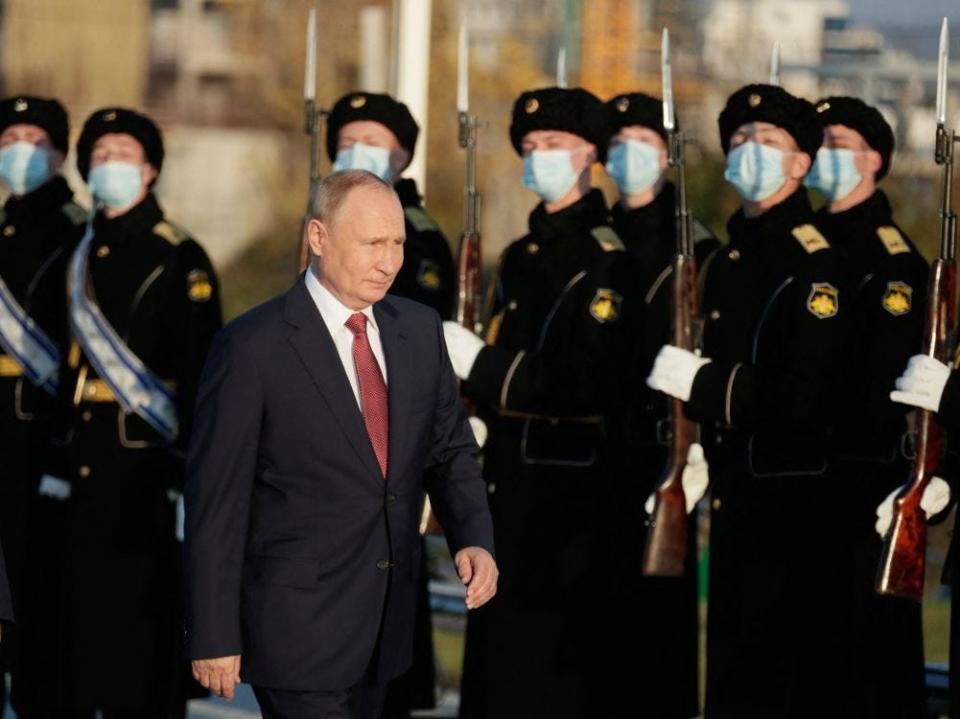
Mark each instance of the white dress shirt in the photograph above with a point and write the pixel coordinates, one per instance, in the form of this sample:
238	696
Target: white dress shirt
335	315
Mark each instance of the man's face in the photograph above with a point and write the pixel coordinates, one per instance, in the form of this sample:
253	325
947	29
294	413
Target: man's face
121	147
840	137
795	163
640	133
35	135
360	251
582	153
374	134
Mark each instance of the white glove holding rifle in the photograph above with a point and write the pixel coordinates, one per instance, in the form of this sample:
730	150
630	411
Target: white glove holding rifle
935	499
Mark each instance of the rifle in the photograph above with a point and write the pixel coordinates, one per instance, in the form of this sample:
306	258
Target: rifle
470	259
775	64
903	557
314	116
666	546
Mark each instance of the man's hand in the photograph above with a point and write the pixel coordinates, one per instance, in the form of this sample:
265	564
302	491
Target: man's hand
674	370
219	675
935	499
478	570
922	383
463	347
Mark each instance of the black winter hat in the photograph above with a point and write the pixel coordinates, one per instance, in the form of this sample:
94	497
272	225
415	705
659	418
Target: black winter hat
47	114
566	109
394	115
858	115
773	104
122	120
636	108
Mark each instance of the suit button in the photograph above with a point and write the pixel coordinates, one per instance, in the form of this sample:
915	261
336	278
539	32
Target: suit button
734	255
533	248
715	314
87	415
84	471
512	305
716	504
103	251
391	498
9	231
384	564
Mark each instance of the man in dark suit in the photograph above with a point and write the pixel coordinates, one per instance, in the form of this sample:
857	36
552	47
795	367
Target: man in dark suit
319	414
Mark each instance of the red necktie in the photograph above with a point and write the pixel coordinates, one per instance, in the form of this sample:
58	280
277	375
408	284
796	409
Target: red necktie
373	390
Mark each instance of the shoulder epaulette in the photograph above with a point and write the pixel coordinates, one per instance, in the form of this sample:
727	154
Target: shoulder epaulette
607	238
892	239
701	231
170	232
75	213
810	238
421	221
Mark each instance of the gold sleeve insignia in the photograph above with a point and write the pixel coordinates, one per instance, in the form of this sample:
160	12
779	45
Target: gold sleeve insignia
892	240
605	306
428	276
824	300
898	299
810	238
199	287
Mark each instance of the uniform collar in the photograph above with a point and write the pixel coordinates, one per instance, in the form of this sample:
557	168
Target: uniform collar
582	216
406	189
138	220
51	195
652	223
858	221
776	222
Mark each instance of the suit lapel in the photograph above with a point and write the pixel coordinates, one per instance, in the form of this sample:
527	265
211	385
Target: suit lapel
314	345
393	336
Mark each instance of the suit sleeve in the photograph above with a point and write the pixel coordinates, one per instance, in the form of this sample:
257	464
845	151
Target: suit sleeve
454	482
797	393
580	367
220	473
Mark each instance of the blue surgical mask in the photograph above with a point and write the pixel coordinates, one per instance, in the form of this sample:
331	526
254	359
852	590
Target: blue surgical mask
755	170
549	173
834	173
115	184
634	166
24	167
365	157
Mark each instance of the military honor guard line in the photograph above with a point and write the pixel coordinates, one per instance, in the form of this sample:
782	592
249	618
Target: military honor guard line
185	506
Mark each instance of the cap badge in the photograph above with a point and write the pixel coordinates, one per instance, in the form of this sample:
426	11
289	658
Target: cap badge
20	105
109	116
823	107
754	100
531	106
358	101
622	104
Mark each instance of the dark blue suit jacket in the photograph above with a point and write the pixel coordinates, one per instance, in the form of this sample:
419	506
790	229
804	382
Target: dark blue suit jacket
299	556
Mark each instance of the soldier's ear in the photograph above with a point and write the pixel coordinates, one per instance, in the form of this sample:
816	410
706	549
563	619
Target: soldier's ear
801	165
149	174
591	155
874	161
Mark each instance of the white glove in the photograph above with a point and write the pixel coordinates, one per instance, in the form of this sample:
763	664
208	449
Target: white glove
479	428
696	477
674	370
922	383
181	515
54	488
935	499
463	347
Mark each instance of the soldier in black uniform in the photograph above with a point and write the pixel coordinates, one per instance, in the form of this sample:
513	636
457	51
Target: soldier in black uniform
144	305
767	392
547	384
890	279
665	672
369	131
40	225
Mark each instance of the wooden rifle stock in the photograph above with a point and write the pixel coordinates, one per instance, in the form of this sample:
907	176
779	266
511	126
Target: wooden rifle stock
903	557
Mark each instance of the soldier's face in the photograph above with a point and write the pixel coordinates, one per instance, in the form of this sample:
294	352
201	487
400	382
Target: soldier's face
582	153
121	147
796	164
643	134
374	134
840	137
35	135
360	250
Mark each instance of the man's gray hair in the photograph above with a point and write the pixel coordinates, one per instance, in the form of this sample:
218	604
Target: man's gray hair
332	192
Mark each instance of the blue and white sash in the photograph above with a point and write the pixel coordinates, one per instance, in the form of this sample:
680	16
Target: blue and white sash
29	346
136	388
